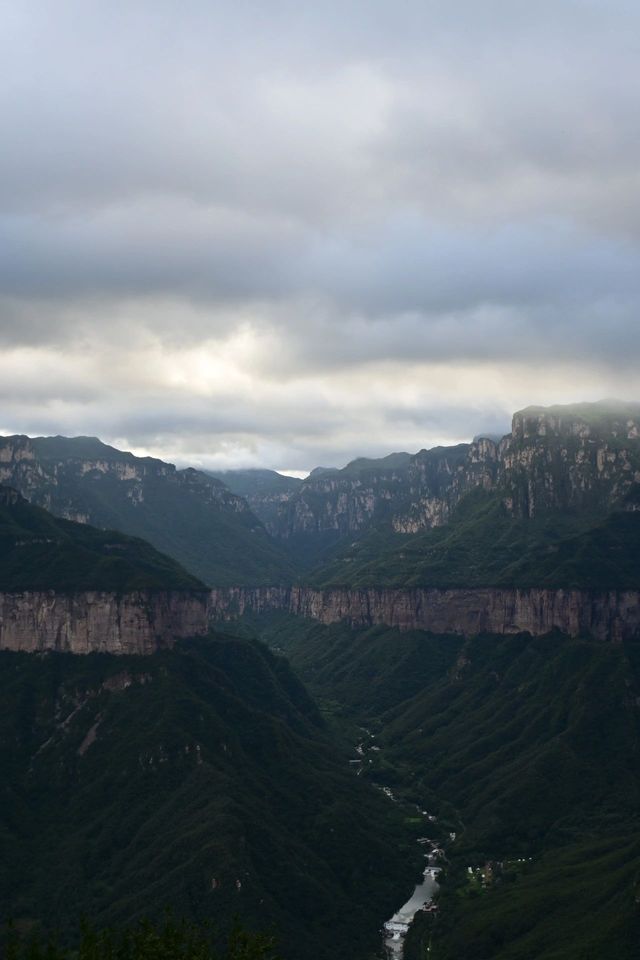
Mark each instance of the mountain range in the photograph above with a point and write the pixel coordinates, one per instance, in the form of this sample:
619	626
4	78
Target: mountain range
184	513
468	615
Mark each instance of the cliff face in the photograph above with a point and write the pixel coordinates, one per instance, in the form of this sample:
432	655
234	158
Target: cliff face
581	457
52	472
603	615
92	621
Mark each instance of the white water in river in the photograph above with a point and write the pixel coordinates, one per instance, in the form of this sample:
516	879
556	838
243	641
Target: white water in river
397	928
394	938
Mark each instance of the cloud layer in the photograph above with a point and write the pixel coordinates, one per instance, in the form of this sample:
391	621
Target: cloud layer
290	233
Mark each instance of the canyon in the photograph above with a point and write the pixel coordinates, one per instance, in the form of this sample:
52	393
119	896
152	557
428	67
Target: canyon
581	461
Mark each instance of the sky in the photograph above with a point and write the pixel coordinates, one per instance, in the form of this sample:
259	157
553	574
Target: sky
286	234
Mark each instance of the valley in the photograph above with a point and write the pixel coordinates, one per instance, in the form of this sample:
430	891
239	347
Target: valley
319	480
324	688
527	753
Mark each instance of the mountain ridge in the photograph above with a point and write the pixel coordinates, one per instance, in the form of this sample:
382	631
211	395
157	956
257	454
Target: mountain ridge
184	513
556	457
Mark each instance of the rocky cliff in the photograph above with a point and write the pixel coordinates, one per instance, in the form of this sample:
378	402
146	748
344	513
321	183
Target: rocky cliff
95	621
52	472
604	615
584	456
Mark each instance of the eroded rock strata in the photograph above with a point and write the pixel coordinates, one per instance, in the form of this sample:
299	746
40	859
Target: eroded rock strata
144	622
604	615
585	456
129	623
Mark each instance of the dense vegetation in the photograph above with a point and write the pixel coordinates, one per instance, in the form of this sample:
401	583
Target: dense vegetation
41	552
575	902
186	514
170	940
530	748
206	779
485	547
202	778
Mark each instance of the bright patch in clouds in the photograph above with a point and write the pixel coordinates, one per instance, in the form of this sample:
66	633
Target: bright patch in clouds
285	235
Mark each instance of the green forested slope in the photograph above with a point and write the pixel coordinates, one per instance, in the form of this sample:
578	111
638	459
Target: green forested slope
484	547
526	747
186	514
41	552
576	902
201	778
536	739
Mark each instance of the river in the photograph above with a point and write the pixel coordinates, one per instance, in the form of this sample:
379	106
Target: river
397	928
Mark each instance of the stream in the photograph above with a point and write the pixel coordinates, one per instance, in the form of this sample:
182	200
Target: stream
396	929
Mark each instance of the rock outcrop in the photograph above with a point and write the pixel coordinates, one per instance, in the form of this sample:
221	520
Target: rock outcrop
585	456
604	615
93	621
56	472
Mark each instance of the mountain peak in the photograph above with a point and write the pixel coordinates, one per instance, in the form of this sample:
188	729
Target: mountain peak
601	419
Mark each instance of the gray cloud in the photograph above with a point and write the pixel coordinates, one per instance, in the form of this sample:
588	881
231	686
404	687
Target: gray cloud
244	228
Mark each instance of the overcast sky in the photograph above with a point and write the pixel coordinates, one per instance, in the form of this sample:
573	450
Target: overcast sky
288	233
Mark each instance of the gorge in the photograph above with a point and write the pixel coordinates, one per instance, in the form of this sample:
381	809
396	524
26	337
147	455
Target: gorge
475	608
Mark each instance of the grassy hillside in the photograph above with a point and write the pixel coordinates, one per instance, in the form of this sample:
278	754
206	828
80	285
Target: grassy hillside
41	552
483	546
201	778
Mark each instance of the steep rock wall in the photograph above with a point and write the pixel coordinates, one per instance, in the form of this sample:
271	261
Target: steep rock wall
132	623
572	458
604	615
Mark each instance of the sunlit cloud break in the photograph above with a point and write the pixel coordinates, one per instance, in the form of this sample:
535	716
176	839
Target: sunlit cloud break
289	236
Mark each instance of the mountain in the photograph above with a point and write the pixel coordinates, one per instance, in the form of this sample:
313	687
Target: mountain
476	610
186	514
201	778
554	504
69	586
526	749
576	457
471	614
41	552
264	490
539	532
483	546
